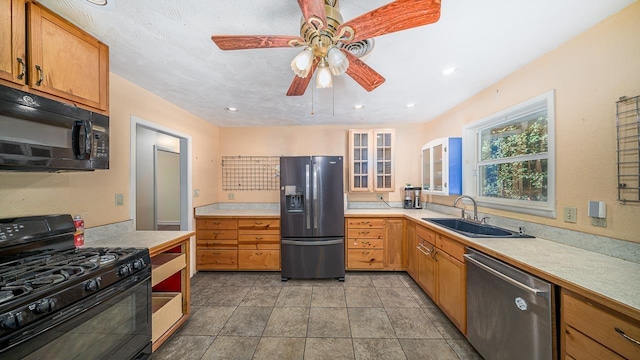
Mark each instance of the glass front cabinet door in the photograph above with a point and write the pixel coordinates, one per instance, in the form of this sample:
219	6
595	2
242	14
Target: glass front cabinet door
442	167
371	165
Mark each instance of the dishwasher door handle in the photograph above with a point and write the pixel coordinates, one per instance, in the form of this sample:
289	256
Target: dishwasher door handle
504	277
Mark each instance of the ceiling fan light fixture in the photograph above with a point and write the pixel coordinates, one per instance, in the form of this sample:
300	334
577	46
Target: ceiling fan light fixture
301	64
338	62
324	79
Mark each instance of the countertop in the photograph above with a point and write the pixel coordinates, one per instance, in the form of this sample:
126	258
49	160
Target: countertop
155	241
612	280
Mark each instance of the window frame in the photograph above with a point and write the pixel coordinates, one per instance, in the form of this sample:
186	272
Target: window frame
472	149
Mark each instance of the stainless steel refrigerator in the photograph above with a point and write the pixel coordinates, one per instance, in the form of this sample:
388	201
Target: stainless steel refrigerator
312	217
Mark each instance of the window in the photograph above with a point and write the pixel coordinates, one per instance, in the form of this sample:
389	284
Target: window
513	158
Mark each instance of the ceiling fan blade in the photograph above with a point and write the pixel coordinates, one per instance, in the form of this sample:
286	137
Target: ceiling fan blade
313	8
299	85
364	75
396	16
239	42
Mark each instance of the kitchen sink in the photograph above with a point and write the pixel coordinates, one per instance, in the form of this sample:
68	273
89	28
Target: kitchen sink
476	230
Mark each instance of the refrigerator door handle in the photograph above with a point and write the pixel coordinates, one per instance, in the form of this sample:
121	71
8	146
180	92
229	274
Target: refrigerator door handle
313	243
315	195
306	195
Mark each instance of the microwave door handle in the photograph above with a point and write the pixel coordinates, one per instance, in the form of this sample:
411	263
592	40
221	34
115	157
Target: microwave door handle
82	151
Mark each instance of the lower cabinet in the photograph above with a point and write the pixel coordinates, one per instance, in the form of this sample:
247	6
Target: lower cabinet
375	244
412	243
247	243
592	331
170	282
441	273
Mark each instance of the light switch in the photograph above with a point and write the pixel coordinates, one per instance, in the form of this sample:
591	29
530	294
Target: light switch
196	192
119	199
571	214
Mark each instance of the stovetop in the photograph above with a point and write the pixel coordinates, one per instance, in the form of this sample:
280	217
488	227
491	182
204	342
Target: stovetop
41	272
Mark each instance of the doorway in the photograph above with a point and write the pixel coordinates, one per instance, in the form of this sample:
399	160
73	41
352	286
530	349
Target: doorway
160	177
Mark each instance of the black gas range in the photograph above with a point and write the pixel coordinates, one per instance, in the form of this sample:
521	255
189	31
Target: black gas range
65	302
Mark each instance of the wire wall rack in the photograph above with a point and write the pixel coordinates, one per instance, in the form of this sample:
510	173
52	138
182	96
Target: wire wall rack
249	173
628	148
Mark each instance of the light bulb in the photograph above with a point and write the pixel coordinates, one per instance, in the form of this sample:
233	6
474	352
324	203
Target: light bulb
323	75
338	62
301	64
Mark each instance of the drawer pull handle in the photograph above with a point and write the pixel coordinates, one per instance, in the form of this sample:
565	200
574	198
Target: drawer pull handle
259	222
216	223
365	242
364	232
365	252
259	253
364	222
428	253
627	336
259	238
216	253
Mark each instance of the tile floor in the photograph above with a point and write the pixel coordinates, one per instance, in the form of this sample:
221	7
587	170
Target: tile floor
256	316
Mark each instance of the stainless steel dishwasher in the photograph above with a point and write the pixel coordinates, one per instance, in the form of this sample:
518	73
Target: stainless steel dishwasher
510	314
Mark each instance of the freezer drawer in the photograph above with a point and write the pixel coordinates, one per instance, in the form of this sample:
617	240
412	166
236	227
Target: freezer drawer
509	312
312	258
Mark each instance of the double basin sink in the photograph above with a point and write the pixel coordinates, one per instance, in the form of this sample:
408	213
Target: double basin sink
475	230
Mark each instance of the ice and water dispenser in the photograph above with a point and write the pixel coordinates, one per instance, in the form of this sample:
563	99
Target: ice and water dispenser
294	199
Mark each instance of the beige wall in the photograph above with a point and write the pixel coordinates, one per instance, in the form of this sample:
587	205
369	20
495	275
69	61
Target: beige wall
92	194
317	140
589	73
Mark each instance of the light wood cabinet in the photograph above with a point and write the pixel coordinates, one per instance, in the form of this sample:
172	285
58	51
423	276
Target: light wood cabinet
65	61
170	281
238	243
375	243
441	272
13	60
371	160
412	249
593	331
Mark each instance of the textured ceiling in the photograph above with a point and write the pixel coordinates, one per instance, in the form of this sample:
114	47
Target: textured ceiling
164	46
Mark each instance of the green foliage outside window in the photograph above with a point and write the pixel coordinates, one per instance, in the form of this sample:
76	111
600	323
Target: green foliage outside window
519	179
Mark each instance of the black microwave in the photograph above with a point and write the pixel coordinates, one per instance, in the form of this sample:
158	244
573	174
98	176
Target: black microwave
40	134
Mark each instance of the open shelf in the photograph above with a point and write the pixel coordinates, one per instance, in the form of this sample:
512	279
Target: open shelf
165	265
166	308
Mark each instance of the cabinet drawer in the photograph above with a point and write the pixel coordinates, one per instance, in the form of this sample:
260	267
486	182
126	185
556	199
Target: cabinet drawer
216	259
363	223
258	259
426	234
217	244
216	224
365	259
251	226
165	265
451	247
216	234
365	243
166	310
366	233
580	346
600	324
256	238
259	246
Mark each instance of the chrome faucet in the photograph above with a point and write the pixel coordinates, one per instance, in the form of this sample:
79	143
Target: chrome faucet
475	206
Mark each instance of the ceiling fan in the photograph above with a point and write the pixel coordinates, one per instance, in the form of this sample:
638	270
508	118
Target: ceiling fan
323	35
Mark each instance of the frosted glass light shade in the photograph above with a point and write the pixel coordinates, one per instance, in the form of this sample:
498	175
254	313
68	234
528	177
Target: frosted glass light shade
338	62
301	64
323	77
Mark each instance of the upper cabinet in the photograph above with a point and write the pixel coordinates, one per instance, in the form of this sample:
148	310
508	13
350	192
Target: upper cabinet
13	61
371	165
61	60
442	167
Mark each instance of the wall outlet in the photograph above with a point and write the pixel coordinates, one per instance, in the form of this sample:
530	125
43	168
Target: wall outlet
119	199
601	222
196	192
230	196
570	214
379	197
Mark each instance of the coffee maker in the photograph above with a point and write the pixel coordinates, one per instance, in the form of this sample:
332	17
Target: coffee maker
417	204
412	198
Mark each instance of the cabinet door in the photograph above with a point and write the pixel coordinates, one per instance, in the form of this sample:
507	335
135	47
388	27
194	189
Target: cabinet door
412	251
65	61
452	293
426	268
383	160
394	248
360	160
12	41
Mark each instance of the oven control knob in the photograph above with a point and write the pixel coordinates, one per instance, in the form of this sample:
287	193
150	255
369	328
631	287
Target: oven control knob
43	306
11	321
125	270
139	264
93	284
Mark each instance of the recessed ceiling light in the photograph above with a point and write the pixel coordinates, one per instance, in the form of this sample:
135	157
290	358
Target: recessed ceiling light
232	109
359	106
410	105
98	2
449	71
